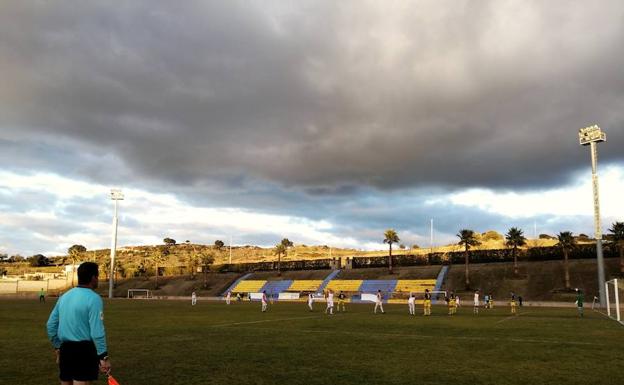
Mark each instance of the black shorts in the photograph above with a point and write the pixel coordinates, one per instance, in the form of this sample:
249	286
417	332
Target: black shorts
79	361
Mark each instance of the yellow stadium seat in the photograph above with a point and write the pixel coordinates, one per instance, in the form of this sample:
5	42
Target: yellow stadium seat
344	285
414	285
250	286
305	285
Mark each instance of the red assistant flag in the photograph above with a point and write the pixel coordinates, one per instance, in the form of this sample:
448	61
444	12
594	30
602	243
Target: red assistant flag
112	380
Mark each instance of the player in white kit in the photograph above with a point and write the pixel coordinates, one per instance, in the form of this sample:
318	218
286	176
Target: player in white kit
264	302
310	301
378	303
475	309
228	297
411	302
330	302
193	299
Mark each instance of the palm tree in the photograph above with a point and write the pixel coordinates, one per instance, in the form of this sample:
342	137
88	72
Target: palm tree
74	252
515	238
390	237
566	242
467	238
279	250
617	229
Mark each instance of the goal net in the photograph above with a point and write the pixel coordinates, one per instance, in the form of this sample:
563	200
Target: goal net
139	293
614	294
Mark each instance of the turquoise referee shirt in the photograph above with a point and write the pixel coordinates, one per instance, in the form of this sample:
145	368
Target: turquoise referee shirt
78	316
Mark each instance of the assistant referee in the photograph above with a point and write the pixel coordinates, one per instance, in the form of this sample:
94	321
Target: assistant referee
76	330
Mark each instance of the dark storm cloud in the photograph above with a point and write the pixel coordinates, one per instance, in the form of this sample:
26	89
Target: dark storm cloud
320	97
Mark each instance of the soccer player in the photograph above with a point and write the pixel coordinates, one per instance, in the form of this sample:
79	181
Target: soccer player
310	301
228	297
512	303
411	303
378	302
580	298
452	306
486	303
330	302
264	301
457	301
76	330
341	301
491	301
427	303
193	299
475	309
42	295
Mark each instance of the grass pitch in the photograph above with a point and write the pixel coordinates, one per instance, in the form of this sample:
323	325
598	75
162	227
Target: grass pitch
170	342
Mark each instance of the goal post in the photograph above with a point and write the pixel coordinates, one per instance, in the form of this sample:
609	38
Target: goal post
139	293
612	291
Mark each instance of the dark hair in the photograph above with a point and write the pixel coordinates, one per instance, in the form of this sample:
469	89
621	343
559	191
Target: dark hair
86	271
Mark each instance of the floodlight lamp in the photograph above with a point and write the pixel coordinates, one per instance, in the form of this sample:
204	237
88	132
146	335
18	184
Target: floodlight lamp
591	134
116	194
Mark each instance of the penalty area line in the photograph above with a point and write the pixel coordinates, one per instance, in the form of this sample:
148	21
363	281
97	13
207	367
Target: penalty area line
264	321
511	317
429	337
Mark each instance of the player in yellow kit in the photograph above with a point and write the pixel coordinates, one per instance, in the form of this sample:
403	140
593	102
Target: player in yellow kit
452	305
427	303
512	303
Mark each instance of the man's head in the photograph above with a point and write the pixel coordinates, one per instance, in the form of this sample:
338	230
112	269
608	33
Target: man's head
88	274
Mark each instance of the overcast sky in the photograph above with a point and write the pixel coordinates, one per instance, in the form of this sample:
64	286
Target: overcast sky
325	122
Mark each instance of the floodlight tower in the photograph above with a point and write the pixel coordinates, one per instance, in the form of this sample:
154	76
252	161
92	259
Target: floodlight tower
589	136
116	195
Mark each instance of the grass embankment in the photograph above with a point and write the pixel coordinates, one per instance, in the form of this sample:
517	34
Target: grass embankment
536	281
170	342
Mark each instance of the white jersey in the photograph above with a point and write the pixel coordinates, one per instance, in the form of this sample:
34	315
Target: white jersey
476	299
411	300
310	298
330	298
379	297
264	298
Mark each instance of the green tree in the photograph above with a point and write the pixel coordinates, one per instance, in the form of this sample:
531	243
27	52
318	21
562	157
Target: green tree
467	238
390	237
38	260
218	244
169	241
74	253
279	250
566	243
617	232
515	238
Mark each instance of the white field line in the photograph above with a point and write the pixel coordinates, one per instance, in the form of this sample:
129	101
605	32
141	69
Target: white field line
512	317
607	316
264	320
422	336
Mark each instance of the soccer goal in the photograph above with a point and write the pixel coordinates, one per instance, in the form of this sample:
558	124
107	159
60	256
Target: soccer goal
139	293
614	293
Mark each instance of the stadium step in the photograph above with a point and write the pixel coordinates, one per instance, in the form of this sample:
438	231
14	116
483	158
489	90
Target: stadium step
232	286
327	279
440	280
